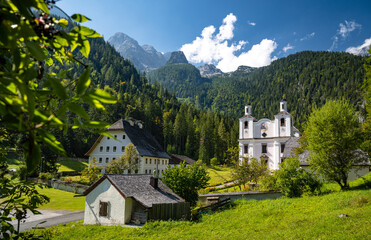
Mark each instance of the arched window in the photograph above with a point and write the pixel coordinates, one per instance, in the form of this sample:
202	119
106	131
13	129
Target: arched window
282	122
246	124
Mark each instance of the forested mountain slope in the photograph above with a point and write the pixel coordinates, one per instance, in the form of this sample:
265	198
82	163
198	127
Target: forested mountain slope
305	78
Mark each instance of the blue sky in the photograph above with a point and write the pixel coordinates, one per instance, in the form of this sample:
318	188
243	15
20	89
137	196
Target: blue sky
254	32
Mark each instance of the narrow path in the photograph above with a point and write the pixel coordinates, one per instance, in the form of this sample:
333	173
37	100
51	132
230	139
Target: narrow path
52	218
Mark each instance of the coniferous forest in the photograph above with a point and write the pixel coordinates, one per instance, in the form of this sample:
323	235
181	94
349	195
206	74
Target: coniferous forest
203	123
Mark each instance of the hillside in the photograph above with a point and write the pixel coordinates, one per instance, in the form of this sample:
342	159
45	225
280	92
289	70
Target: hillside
306	78
180	128
298	218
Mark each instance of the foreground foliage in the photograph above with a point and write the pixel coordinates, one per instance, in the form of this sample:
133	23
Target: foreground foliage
298	218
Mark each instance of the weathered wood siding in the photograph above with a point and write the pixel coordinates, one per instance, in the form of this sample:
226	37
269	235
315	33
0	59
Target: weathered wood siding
166	211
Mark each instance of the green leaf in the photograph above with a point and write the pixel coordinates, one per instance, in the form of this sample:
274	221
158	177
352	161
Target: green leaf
35	50
58	88
93	102
96	124
83	82
102	96
79	110
80	18
63	22
87	32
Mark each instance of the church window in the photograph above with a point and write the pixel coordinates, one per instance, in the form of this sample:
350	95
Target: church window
282	147
246	124
115	136
101	149
282	122
123	136
114	149
108	138
107	149
100	160
246	149
122	148
107	160
264	148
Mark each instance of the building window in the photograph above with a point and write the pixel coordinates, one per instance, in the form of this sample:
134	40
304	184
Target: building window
163	162
282	147
113	159
150	162
103	209
100	160
246	149
101	149
123	136
246	124
282	160
149	171
107	160
145	171
146	160
107	149
122	148
116	136
282	122
108	138
114	149
136	171
264	148
155	161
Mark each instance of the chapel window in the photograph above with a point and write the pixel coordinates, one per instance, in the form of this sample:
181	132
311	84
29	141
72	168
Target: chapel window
103	209
246	149
114	149
282	122
264	148
246	124
107	149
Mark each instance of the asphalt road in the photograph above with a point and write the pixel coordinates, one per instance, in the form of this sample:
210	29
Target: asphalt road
52	218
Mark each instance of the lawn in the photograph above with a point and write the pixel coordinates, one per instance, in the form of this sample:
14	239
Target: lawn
298	218
62	200
66	165
219	175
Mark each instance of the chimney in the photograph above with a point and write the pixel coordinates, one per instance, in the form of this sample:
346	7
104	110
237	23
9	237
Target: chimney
154	182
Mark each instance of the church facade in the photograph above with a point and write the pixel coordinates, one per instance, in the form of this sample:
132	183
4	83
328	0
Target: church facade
266	139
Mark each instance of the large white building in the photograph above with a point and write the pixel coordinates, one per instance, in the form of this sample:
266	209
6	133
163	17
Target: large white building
153	159
265	139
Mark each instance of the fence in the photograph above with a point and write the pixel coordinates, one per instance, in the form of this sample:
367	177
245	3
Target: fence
166	211
206	199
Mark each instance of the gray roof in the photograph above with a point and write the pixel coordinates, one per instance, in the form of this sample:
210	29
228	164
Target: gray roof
139	188
176	159
146	144
290	145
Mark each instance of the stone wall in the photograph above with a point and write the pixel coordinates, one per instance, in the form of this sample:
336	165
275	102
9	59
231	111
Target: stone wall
251	195
68	187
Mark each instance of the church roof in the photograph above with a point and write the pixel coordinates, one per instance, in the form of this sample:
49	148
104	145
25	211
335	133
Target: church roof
146	144
177	159
290	145
283	113
138	187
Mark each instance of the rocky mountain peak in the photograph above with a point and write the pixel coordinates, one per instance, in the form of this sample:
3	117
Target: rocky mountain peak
177	57
209	70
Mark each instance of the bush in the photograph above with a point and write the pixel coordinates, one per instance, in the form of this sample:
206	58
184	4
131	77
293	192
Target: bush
293	181
214	161
46	176
268	183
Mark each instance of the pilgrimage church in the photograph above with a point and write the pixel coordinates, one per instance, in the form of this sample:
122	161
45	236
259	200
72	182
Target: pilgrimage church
266	139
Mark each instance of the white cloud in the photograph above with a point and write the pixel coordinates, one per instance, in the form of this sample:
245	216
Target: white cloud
287	47
251	23
347	28
343	32
217	48
362	49
308	36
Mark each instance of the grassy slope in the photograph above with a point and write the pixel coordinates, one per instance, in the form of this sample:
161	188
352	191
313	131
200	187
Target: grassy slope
300	218
219	175
62	200
69	165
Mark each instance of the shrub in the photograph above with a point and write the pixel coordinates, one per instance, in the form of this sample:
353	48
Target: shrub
268	183
214	161
46	176
293	181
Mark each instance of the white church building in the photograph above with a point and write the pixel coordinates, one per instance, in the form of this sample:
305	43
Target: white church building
266	139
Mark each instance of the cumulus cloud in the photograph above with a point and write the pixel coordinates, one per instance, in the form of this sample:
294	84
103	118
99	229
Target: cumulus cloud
287	47
219	50
251	23
343	32
308	36
361	49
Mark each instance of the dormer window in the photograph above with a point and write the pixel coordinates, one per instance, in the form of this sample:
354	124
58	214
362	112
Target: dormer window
246	124
282	122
